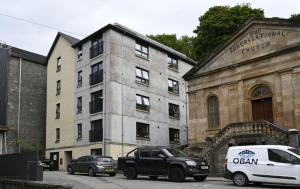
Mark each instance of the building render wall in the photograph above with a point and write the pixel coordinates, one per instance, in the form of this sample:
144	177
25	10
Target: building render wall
233	87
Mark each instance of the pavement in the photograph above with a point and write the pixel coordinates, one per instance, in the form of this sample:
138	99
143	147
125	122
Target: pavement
83	181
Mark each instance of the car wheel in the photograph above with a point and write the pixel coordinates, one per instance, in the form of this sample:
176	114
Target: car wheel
130	173
240	179
91	172
70	170
153	177
112	174
200	178
177	174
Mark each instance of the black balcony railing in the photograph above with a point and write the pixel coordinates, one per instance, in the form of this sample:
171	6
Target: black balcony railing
96	50
142	107
95	135
96	77
173	90
96	106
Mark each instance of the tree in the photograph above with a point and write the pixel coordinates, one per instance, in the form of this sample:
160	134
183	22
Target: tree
295	17
218	24
184	44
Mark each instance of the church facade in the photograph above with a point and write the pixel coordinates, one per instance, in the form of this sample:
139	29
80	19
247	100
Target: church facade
254	76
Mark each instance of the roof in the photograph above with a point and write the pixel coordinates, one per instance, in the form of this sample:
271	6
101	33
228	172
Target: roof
37	58
70	39
137	36
261	146
246	25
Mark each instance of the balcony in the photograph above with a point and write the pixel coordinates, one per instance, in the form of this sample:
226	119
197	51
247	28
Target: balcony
96	106
96	78
96	50
95	135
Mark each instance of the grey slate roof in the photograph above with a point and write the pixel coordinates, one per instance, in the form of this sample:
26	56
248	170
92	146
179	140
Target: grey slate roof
69	38
37	58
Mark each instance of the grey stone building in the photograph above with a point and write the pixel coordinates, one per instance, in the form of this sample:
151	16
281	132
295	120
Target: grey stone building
22	100
129	92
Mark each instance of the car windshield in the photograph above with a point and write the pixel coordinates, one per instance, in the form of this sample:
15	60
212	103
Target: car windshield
174	153
105	159
294	150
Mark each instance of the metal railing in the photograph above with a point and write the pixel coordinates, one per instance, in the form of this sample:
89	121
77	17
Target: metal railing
95	135
96	106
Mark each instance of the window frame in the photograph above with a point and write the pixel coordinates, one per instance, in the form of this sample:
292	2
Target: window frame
144	136
213	112
172	89
57	135
57	111
172	110
291	156
58	87
171	62
176	135
143	106
97	47
79	131
142	79
79	104
139	50
58	64
79	52
79	78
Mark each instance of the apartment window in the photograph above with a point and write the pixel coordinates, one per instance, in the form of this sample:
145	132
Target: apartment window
96	132
96	152
142	103
57	111
58	87
57	138
96	48
142	76
79	52
96	104
79	104
173	86
174	135
142	130
172	63
79	131
79	78
213	112
58	64
174	110
97	74
141	50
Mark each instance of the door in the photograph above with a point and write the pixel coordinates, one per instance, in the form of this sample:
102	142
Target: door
68	158
144	162
54	156
280	169
262	109
160	166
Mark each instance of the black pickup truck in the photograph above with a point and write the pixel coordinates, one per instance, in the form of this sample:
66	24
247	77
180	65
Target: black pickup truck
162	161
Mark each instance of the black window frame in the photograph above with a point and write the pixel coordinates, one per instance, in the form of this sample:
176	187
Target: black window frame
96	75
57	135
142	127
172	63
79	131
174	135
143	106
96	103
97	47
173	88
79	52
58	87
139	50
273	151
142	79
79	104
79	78
174	111
96	132
57	111
58	64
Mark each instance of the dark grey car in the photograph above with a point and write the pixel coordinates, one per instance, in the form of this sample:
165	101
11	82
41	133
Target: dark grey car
93	165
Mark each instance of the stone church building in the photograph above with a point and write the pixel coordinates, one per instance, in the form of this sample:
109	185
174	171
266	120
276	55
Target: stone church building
248	91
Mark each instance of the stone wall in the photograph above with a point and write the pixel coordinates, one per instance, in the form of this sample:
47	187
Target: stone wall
20	184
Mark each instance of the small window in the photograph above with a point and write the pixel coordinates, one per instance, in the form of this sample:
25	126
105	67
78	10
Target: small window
142	76
96	152
58	87
58	64
57	135
79	105
174	135
79	52
261	92
142	130
141	50
174	110
97	47
79	131
172	63
57	111
142	103
79	78
213	112
145	153
173	86
280	156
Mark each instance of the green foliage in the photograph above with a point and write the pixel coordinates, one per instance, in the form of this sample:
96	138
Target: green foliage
218	24
184	44
295	17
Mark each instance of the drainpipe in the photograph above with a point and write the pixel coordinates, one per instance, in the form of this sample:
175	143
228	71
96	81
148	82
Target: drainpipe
5	144
19	103
187	114
105	97
122	96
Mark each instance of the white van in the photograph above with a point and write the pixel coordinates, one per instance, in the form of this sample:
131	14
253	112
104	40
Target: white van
263	164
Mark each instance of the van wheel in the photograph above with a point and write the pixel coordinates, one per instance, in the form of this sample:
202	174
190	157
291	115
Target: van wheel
240	179
91	172
130	173
153	177
177	174
200	178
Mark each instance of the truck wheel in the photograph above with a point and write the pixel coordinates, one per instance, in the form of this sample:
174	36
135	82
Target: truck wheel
153	177
112	174
177	174
91	172
240	179
200	178
130	173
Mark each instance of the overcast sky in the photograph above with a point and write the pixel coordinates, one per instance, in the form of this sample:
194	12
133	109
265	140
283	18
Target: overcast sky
85	17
